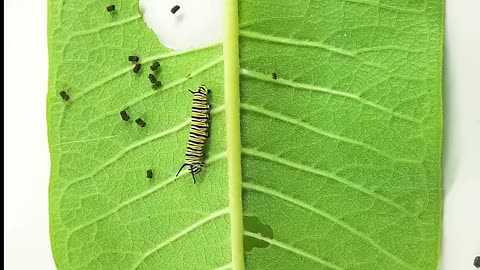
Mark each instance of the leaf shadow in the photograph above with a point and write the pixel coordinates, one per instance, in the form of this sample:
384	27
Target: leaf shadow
450	136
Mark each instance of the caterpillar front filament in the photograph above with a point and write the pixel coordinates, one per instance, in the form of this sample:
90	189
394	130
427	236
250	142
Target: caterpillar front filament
198	132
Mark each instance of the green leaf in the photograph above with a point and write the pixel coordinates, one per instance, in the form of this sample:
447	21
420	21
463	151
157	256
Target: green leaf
335	164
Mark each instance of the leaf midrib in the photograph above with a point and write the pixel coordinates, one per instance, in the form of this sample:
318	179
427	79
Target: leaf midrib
232	118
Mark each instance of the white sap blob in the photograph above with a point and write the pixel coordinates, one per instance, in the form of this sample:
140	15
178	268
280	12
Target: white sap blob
197	23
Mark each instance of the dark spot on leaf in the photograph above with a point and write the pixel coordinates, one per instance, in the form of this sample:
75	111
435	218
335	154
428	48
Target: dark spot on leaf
254	225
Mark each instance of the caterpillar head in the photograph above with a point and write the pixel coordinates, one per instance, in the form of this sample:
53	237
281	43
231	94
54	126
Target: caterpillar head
203	89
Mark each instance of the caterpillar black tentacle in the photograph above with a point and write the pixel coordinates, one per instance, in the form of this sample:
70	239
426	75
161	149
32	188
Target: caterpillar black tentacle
198	132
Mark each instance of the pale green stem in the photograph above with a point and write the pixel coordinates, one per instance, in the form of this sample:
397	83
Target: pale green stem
232	115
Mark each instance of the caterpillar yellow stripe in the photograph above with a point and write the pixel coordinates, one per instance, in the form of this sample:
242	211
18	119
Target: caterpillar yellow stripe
198	132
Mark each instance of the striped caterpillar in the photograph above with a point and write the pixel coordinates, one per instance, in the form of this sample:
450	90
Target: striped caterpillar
198	132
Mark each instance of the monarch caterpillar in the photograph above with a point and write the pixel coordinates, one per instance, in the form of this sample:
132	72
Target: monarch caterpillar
198	131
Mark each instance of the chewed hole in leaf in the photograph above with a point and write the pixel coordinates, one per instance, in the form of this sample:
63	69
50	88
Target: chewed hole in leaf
254	225
186	28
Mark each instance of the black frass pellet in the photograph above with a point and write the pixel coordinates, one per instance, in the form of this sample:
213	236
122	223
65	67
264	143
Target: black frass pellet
64	95
175	9
476	262
140	122
136	68
149	174
111	8
133	58
156	85
124	115
152	78
155	66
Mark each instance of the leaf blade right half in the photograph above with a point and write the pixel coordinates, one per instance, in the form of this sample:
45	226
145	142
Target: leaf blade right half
342	146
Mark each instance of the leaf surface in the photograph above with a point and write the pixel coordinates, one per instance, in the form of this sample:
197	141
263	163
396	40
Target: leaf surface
339	160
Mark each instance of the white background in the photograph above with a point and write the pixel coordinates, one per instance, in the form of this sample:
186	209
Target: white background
26	150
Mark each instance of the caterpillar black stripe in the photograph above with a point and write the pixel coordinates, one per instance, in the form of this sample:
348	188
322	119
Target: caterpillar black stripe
198	132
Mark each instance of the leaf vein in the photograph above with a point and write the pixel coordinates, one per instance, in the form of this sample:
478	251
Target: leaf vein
295	42
293	250
389	7
310	87
142	195
314	129
182	233
88	140
316	44
387	48
224	267
146	60
98	29
301	167
317	211
105	26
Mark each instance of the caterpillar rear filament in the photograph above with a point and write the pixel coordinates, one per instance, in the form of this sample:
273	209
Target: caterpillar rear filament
198	132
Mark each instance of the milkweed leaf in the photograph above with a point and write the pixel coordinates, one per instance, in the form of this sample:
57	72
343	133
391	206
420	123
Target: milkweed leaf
324	150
